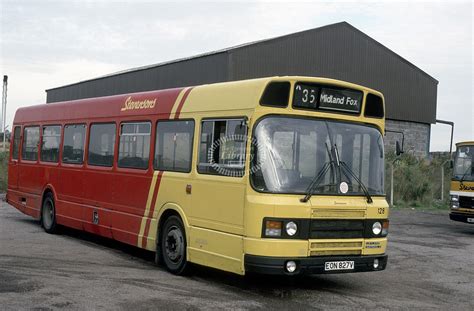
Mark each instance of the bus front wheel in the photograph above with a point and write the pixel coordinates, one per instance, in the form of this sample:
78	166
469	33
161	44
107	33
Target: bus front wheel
173	246
48	214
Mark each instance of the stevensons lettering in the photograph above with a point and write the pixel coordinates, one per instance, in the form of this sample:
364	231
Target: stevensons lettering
131	104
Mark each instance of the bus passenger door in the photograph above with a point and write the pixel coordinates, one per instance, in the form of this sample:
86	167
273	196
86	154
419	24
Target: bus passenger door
218	195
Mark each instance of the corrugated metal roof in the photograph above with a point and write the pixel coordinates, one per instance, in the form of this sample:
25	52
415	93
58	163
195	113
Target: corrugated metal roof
338	51
344	24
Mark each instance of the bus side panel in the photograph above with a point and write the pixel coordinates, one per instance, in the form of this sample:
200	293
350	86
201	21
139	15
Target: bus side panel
129	202
98	193
69	207
67	214
49	174
30	187
170	194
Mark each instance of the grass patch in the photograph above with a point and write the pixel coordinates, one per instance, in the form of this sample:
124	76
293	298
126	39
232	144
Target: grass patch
417	182
3	171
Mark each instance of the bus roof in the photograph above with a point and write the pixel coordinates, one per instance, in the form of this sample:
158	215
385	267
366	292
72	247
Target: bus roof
465	143
164	102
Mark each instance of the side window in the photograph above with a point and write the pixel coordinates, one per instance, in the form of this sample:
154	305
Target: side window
134	149
16	142
73	147
30	143
222	147
50	143
101	144
174	146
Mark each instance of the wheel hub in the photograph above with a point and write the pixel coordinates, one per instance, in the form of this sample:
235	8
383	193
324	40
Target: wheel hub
174	244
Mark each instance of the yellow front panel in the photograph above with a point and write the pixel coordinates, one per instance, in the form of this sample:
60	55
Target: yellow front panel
216	249
260	206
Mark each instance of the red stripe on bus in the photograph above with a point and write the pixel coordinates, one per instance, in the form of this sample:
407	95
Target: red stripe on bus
181	103
152	208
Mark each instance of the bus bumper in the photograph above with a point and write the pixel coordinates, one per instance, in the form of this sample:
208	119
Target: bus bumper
462	217
311	265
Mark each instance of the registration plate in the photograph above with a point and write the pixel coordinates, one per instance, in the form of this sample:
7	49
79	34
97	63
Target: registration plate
470	220
338	265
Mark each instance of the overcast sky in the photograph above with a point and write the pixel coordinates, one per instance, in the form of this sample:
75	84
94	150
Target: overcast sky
45	44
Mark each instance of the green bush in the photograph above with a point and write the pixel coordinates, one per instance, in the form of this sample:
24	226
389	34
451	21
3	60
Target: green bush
417	181
3	171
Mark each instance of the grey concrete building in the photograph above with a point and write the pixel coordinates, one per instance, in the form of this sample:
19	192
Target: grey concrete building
338	51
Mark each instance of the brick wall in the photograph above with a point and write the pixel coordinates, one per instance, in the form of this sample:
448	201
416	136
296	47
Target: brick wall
417	136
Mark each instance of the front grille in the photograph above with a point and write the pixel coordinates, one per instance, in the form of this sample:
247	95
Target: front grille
330	248
336	252
466	202
342	245
337	229
337	213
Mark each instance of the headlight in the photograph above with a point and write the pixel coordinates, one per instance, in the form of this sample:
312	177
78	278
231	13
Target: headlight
377	228
454	201
273	228
291	228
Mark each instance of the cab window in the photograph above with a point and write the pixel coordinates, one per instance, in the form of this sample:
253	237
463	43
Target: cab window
222	147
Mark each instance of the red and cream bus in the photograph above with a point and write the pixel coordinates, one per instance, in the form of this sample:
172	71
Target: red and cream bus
281	175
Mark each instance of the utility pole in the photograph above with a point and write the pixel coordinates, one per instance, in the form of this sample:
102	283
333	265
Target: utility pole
3	121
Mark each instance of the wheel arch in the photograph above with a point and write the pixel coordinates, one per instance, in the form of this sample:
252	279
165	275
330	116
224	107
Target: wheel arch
167	210
47	189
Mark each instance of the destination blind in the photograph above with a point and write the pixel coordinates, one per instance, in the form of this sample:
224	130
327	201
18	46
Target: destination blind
320	97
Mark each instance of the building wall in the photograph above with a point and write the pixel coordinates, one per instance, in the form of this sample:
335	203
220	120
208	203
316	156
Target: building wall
417	137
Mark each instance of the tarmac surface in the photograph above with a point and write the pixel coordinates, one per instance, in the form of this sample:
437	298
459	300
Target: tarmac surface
431	266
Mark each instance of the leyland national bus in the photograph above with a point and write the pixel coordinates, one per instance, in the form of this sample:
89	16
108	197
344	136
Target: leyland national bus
462	184
281	175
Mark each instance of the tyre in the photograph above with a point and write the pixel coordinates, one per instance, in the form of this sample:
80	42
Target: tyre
173	246
48	214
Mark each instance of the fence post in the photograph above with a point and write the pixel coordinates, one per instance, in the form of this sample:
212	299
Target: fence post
442	177
391	184
442	183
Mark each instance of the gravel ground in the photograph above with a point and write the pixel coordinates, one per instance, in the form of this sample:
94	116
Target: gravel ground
431	266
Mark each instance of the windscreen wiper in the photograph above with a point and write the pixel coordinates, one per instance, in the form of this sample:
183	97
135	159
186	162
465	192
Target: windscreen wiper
364	188
316	181
465	174
322	172
343	165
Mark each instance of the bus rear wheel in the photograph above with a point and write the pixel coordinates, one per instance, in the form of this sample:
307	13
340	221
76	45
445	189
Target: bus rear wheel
48	214
173	246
